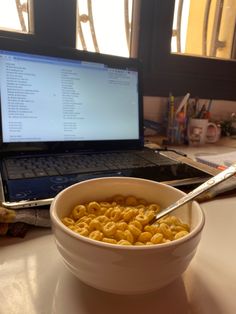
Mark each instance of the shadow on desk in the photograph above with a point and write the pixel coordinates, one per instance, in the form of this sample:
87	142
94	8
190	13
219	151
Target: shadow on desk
35	232
187	295
72	296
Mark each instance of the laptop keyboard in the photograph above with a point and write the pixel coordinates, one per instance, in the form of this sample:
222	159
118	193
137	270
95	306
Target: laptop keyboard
30	167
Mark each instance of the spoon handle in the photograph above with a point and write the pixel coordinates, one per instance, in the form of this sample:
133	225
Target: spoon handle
222	176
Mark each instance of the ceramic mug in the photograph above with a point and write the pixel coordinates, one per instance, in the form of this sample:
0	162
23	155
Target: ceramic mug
198	131
213	134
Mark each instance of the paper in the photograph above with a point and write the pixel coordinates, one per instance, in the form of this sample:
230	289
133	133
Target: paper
226	159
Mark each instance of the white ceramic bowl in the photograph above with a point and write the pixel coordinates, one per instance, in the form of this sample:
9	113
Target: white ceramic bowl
124	269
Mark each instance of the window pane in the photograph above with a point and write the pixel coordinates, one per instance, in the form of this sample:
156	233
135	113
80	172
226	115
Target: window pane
205	28
104	26
14	15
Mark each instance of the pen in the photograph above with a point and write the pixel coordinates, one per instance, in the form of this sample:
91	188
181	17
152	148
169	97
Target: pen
191	110
209	105
200	114
170	128
207	113
183	104
172	108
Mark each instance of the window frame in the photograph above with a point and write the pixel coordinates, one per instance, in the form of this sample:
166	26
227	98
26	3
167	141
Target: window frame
57	31
165	72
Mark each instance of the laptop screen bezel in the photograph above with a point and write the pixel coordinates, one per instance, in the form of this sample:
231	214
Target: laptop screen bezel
74	54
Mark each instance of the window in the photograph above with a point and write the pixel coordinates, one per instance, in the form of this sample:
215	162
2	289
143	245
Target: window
204	28
166	72
99	26
104	26
15	15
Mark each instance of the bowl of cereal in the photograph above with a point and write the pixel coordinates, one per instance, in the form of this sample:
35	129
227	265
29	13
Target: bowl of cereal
103	233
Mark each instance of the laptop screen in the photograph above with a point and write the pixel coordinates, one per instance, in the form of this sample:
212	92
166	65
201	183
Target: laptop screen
47	98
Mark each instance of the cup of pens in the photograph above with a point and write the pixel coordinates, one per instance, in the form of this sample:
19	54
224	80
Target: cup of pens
189	123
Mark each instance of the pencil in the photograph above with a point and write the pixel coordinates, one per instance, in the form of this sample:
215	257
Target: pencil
172	117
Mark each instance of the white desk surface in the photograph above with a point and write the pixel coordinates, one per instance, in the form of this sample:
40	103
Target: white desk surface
33	279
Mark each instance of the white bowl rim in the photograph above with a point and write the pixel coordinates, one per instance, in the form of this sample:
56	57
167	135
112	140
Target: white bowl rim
160	246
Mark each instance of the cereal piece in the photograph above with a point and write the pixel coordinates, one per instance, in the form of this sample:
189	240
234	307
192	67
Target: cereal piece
119	235
95	224
110	228
85	219
109	240
129	236
103	210
176	229
137	224
169	220
157	238
78	212
124	242
82	224
166	240
103	219
141	207
105	204
115	214
181	234
155	207
142	202
68	221
134	230
122	225
150	215
94	208
144	237
83	231
142	218
185	226
139	243
152	228
72	227
108	212
131	201
96	235
119	199
128	214
92	216
166	231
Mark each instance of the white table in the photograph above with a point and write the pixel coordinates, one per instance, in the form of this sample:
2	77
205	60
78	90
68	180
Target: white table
33	279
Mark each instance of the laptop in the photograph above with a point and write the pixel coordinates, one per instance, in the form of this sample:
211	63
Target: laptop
68	116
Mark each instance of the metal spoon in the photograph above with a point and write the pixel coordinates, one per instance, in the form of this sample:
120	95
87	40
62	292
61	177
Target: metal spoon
220	177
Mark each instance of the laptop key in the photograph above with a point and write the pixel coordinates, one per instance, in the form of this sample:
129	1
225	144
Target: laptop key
13	176
40	173
81	170
29	174
52	172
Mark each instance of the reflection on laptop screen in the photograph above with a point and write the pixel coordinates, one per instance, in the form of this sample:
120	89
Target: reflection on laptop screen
47	99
